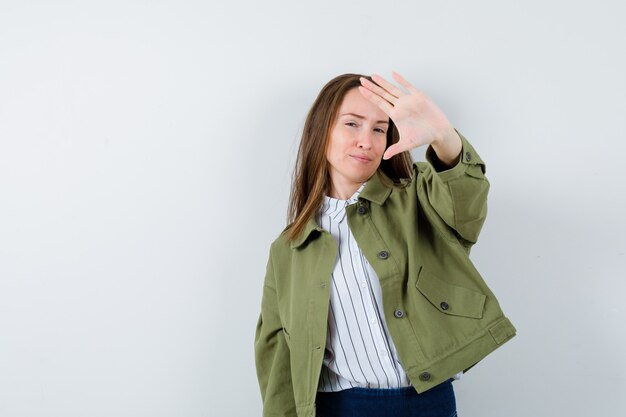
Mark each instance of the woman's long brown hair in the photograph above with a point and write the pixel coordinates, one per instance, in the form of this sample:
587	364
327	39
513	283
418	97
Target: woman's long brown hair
311	178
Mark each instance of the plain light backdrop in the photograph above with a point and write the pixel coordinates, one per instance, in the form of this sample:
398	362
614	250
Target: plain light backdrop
146	151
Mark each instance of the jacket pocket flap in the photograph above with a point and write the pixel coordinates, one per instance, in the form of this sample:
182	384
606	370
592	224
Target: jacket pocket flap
450	299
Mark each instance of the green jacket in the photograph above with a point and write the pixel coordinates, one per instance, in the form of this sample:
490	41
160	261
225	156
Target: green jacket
417	236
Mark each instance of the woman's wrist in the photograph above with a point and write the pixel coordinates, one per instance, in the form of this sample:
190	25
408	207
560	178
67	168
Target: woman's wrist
448	148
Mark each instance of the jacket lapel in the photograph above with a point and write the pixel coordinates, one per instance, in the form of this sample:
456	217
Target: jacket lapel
376	190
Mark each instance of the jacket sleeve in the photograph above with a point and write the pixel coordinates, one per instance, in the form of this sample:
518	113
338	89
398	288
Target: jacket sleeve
457	194
272	356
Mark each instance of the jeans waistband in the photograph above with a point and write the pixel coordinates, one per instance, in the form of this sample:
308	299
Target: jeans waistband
385	392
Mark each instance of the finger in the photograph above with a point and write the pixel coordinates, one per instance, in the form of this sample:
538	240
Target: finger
378	90
388	86
403	82
395	149
383	104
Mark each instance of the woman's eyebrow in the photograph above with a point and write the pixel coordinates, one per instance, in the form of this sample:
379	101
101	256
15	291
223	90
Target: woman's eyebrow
363	117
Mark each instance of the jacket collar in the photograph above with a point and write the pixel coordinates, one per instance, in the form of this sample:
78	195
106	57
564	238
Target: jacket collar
375	190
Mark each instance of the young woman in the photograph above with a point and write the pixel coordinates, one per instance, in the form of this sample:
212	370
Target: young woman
371	305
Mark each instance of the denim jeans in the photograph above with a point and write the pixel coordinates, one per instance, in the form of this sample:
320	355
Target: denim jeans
438	401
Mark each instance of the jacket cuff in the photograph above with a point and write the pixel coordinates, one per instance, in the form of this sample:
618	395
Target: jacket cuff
469	157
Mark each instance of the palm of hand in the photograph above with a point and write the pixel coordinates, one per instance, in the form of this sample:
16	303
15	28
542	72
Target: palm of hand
418	120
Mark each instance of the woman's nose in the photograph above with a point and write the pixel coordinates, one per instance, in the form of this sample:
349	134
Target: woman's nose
365	140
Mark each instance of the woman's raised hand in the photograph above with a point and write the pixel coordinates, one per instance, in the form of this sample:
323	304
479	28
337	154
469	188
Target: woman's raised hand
417	118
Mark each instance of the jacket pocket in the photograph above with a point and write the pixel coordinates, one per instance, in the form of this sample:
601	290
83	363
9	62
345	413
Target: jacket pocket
448	298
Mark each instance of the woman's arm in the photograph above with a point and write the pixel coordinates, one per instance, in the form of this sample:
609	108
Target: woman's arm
453	182
458	194
447	150
272	356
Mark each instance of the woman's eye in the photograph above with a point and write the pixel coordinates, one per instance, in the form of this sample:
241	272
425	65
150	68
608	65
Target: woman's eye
352	124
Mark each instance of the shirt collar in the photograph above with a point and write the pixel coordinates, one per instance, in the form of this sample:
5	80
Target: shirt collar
375	189
335	208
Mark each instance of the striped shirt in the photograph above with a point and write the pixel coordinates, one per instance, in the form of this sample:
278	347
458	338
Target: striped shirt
359	350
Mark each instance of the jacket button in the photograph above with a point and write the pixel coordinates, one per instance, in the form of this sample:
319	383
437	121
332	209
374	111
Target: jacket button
468	156
383	254
425	376
361	209
444	305
398	313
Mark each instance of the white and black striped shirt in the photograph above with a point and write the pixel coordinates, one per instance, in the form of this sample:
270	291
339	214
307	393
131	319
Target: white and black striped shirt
359	350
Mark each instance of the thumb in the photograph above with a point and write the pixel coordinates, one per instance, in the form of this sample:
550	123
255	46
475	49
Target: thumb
392	150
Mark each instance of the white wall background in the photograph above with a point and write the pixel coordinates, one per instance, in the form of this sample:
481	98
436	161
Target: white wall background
146	149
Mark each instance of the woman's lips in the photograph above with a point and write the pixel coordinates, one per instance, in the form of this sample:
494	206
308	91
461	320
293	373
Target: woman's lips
361	158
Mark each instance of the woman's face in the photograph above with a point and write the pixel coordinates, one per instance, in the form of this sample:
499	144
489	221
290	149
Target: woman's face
357	140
